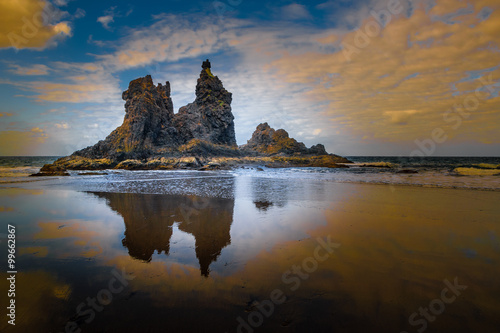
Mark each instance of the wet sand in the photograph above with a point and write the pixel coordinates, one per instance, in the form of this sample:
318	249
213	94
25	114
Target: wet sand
268	256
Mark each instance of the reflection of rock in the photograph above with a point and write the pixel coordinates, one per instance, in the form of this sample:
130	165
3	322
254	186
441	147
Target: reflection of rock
149	218
407	171
269	192
210	229
263	205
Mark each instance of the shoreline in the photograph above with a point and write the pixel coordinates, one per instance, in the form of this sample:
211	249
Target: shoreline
407	241
51	180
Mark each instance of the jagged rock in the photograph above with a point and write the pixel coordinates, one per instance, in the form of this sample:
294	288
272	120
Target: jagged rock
266	140
209	117
146	128
153	137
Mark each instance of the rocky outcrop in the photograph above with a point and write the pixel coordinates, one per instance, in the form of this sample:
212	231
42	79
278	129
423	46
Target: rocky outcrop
151	127
266	140
147	127
209	117
201	135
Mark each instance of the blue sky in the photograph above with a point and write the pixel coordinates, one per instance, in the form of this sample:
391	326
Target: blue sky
393	77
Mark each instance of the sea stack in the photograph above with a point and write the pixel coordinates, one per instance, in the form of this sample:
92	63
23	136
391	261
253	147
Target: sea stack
209	117
151	127
200	136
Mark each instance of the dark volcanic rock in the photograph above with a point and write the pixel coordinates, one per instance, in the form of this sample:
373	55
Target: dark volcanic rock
147	125
150	125
209	117
51	170
200	135
266	140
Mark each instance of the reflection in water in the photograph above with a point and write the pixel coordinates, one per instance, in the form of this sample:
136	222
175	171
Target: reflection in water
268	192
149	219
262	205
397	248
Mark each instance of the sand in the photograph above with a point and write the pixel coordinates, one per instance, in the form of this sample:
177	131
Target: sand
257	260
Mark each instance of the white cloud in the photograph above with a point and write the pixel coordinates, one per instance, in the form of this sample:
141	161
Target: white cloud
38	69
63	125
79	13
295	11
105	21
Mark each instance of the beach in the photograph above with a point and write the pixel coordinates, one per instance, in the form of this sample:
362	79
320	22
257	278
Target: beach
251	252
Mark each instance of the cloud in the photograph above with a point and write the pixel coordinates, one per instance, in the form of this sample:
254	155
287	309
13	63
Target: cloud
110	15
105	21
29	70
400	117
168	39
27	142
31	24
395	89
5	114
413	73
61	3
79	13
63	125
295	11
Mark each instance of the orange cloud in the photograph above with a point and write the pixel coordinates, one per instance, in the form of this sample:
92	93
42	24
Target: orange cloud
25	24
30	70
399	84
16	143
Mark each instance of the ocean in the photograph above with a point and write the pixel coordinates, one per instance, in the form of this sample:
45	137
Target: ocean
482	173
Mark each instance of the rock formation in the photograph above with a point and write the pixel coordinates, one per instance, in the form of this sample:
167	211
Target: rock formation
266	140
147	127
209	117
201	135
151	127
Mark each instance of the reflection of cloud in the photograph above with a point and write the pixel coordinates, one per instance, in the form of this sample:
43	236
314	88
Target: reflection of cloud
64	229
38	296
37	251
14	192
73	229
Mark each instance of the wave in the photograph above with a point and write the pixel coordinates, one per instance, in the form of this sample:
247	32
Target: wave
477	171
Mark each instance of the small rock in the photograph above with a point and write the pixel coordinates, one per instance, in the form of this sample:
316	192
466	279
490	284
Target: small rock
407	171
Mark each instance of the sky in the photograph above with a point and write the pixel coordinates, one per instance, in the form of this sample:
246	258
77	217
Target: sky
363	77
